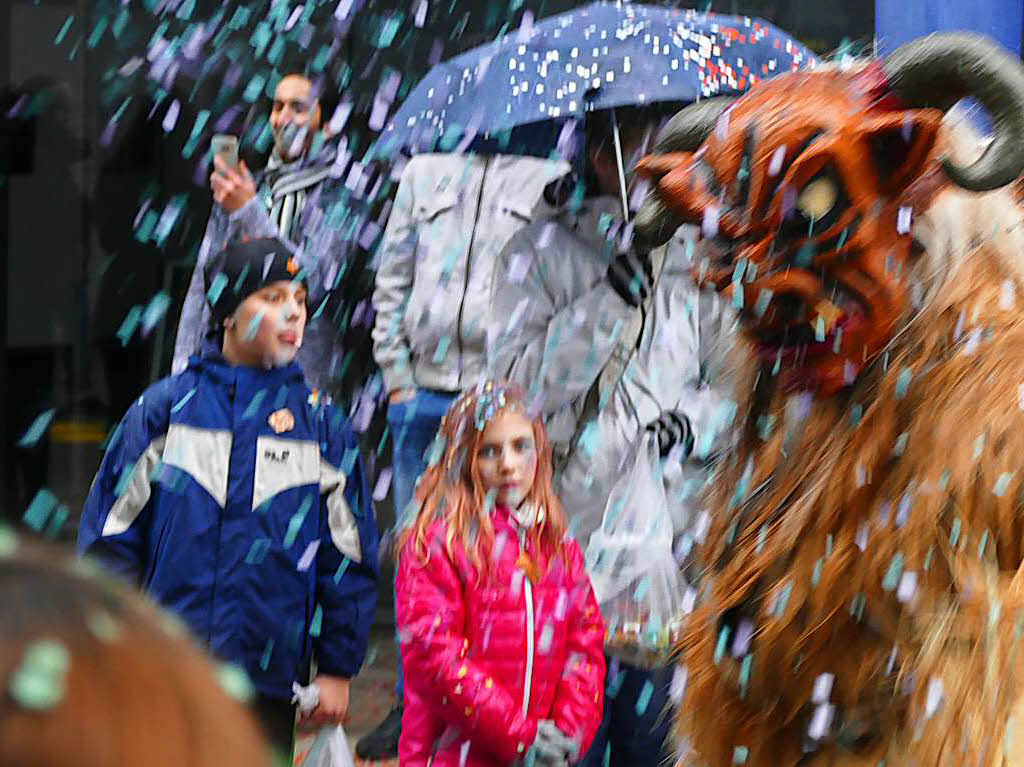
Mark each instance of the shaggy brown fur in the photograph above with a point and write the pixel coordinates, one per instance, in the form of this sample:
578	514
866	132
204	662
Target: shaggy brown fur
914	472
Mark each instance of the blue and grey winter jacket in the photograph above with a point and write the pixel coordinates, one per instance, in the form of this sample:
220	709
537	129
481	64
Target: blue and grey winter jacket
238	501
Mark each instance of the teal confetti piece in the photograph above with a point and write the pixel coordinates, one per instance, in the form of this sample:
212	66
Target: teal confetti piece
37	429
856	413
123	480
239	282
267	651
891	579
900	446
982	543
117	28
744	678
805	255
183	401
155	311
723	641
147	225
828	545
816	575
763	299
644	699
765	424
341	570
737	297
258	551
64	30
317	623
254	325
928	558
39	510
783	600
442	349
740	754
185	10
254	88
39	684
819	329
606	759
954	533
1002	483
254	404
97	32
642	588
197	132
979	445
216	288
903	383
127	329
348	460
762	537
738	271
295	523
60	516
235	682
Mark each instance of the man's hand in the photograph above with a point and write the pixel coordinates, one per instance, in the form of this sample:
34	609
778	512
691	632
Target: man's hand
333	706
400	396
231	188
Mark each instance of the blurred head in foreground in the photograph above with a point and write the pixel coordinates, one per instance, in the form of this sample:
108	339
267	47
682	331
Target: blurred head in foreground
92	676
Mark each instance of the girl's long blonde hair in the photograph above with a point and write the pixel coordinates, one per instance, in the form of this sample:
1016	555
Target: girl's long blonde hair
451	489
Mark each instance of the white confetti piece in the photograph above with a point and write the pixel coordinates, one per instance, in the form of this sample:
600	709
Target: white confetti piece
822	688
678	686
775	165
171	118
689	601
544	641
907	589
709	225
821	721
1007	295
903	220
933	698
306	560
518	268
380	490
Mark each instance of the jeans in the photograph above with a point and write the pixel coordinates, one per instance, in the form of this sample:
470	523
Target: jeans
636	721
413	425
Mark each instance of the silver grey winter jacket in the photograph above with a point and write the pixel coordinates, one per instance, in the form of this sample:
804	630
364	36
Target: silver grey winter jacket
452	216
556	322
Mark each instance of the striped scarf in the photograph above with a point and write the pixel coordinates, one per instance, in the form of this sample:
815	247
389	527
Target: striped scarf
286	187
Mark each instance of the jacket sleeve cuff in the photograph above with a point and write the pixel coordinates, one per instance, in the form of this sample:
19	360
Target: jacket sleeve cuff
252	219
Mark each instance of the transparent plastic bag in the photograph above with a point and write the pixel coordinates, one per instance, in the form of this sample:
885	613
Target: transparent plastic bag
328	746
635	577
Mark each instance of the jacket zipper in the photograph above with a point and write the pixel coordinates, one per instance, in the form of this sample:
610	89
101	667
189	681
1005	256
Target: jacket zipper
465	285
528	592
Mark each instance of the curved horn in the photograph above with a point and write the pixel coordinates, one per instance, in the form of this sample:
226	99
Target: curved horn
939	70
688	128
655	224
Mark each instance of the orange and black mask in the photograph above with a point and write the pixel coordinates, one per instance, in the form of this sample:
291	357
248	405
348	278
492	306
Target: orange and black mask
804	189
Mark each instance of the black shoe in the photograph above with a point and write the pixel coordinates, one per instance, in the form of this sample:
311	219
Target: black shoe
382	743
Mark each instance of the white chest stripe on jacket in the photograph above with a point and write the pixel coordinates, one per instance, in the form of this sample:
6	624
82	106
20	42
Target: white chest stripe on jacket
126	509
340	520
204	454
282	464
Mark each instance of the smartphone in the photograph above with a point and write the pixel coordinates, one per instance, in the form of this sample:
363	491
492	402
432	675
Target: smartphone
226	145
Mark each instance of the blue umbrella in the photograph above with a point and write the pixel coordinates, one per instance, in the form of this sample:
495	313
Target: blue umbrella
596	57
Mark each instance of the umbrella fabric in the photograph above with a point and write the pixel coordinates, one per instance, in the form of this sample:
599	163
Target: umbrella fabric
596	57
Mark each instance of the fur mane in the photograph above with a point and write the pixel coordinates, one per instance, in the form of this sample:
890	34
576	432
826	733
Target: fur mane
875	535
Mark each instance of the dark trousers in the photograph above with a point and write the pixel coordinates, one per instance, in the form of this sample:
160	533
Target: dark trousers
637	718
277	718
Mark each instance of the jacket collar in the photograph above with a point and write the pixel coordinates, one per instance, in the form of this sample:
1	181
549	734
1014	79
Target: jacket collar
210	362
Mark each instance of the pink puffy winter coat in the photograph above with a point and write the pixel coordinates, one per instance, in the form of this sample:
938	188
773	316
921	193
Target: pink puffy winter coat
484	662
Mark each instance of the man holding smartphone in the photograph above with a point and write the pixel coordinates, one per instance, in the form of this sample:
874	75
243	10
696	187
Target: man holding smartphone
293	198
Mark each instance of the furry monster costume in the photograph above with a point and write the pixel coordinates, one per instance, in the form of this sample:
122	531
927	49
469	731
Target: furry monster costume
863	597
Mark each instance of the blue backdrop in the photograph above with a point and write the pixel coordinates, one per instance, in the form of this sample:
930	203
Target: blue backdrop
897	21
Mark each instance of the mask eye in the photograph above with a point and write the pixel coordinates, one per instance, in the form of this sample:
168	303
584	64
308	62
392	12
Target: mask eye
818	198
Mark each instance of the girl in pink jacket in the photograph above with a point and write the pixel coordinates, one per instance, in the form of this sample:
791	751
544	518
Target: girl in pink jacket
501	635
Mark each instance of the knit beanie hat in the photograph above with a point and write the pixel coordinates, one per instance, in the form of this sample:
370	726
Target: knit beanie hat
242	268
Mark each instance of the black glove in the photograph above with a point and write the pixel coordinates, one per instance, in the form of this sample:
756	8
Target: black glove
672	428
631	277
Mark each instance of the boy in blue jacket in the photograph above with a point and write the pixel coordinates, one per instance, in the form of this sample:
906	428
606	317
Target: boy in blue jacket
236	497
